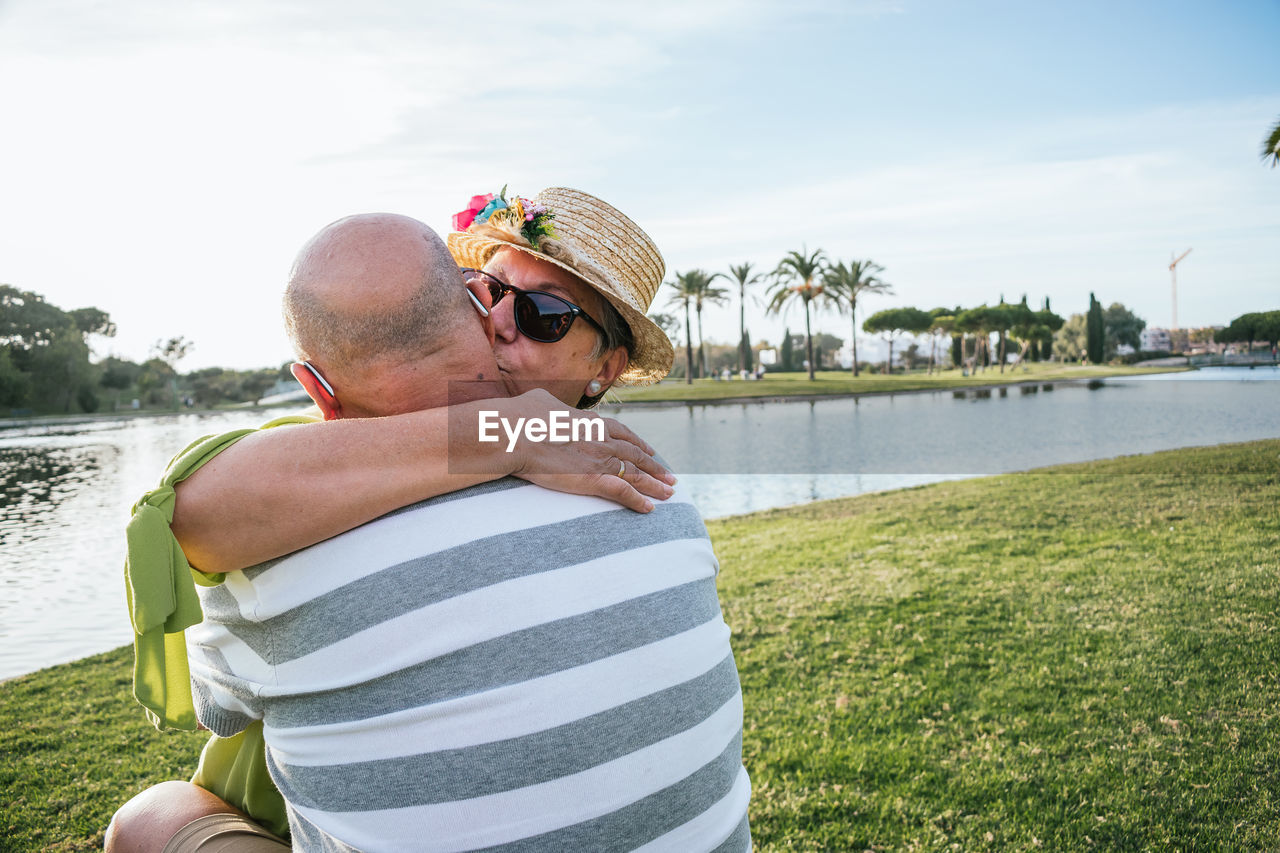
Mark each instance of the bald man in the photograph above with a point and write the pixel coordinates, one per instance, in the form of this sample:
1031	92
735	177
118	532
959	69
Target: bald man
375	305
501	665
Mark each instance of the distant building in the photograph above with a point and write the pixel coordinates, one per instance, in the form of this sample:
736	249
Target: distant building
1203	341
1189	341
1155	340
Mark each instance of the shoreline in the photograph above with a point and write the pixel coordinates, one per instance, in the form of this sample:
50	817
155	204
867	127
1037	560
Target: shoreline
841	395
925	385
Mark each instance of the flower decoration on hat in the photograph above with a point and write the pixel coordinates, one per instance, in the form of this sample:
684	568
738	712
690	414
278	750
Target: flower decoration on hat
519	219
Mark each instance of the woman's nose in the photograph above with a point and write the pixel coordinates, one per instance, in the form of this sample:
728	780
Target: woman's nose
504	321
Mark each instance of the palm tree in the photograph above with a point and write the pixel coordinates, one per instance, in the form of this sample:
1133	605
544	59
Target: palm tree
708	293
794	278
844	284
741	273
682	298
695	287
1271	146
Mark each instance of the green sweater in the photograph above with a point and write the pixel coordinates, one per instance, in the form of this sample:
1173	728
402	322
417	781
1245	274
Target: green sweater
160	585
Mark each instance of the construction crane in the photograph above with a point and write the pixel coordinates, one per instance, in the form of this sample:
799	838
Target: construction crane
1173	271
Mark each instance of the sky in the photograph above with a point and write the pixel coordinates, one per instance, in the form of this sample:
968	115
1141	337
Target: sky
165	161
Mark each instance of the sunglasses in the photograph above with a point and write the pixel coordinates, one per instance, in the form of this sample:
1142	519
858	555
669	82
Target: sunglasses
540	316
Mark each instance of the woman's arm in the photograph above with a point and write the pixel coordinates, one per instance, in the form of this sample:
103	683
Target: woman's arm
282	489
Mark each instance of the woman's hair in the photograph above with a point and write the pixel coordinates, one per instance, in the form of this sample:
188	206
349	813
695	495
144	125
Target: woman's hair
616	334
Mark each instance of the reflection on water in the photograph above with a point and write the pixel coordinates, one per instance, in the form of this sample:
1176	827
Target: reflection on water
65	492
33	476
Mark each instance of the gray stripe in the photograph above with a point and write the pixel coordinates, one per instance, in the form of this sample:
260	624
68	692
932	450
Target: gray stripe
223	722
490	487
622	830
739	841
445	776
223	676
437	577
649	818
220	606
510	659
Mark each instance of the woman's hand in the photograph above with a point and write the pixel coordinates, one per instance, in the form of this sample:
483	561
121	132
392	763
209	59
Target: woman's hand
602	456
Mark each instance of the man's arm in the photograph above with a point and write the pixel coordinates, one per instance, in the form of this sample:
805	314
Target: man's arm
282	489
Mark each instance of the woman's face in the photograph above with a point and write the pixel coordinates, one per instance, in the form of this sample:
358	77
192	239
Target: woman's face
562	367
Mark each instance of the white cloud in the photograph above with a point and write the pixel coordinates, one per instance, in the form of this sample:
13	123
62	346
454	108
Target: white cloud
164	161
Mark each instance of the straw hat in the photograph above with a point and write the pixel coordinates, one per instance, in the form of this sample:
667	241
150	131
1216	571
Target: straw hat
597	243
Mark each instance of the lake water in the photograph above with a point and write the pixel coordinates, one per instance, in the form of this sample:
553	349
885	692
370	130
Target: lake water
65	491
742	457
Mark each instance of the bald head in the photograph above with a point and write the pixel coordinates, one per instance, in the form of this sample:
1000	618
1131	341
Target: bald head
377	303
377	287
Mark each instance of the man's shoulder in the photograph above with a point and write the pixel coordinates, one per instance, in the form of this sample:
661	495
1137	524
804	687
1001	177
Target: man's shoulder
476	517
507	520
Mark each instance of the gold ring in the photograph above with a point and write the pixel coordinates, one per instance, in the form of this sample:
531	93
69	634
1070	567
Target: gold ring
622	468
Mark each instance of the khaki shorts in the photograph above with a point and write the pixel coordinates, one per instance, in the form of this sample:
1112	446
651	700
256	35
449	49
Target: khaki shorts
224	833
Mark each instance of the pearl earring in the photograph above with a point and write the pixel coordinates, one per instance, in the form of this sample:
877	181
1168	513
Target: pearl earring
593	387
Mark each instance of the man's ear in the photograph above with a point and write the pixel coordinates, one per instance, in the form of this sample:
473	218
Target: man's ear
326	402
482	300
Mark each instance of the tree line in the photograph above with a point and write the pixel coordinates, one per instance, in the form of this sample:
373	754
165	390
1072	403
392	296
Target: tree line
46	365
1254	326
801	277
812	281
1015	324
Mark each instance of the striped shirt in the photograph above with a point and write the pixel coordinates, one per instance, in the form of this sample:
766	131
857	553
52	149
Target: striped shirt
501	668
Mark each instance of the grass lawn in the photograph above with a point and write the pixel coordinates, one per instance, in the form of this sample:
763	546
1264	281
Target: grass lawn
1081	657
842	382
